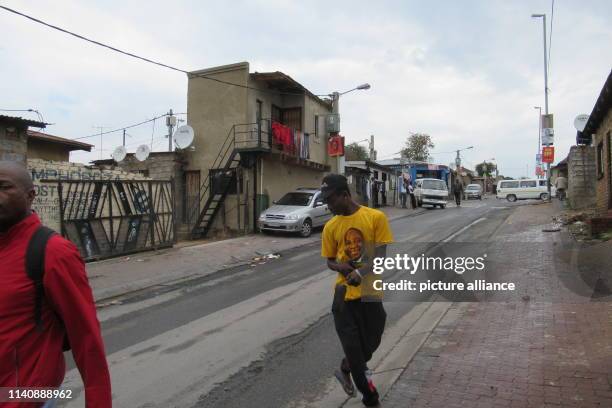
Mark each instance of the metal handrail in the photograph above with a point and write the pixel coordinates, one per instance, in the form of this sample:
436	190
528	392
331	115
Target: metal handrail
204	187
225	153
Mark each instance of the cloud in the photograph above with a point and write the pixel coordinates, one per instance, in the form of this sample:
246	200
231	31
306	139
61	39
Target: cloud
468	73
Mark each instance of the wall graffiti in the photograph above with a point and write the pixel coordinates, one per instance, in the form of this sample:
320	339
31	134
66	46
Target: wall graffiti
43	173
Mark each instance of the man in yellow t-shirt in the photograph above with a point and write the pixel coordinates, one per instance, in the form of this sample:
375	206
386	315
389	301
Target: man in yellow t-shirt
351	240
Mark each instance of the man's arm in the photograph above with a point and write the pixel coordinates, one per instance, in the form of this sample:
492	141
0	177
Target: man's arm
69	294
341	267
355	276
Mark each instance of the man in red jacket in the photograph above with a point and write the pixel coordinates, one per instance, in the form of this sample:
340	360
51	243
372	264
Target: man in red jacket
32	356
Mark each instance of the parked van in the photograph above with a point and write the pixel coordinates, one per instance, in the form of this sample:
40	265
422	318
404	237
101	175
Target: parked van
430	191
513	190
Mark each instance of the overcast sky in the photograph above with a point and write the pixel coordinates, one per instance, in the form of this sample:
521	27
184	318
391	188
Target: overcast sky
465	72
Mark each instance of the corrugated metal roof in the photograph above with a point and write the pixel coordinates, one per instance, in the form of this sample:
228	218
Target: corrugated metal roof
601	108
284	83
15	120
73	144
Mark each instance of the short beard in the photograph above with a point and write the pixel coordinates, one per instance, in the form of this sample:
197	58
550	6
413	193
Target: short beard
8	224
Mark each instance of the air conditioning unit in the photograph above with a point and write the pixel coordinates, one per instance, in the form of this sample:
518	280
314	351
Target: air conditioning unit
332	123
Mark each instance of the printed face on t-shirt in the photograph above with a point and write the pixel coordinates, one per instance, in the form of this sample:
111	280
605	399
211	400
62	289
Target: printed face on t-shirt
353	244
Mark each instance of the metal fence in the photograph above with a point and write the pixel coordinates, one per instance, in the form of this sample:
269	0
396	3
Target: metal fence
106	218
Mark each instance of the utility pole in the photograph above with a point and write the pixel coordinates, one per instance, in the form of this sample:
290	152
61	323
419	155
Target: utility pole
545	92
170	122
546	101
372	151
335	110
101	129
458	162
123	137
485	169
335	97
539	154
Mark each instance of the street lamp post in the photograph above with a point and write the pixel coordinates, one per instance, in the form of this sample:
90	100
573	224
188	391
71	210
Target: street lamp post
539	108
335	96
458	159
545	90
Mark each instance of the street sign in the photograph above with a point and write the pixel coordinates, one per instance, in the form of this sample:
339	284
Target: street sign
548	136
335	146
548	154
332	123
539	171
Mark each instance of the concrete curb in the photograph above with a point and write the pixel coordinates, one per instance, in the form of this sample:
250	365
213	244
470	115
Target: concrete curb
400	344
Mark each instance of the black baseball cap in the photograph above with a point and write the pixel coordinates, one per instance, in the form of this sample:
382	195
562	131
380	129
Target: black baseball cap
333	183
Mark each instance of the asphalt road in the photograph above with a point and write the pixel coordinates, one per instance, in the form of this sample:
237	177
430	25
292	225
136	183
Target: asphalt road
255	336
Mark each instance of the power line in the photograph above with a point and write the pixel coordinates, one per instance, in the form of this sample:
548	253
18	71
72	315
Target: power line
121	128
129	54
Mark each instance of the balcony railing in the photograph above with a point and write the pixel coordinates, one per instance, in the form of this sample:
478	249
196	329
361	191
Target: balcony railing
253	136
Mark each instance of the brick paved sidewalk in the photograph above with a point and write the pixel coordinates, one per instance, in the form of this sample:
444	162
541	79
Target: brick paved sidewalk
552	348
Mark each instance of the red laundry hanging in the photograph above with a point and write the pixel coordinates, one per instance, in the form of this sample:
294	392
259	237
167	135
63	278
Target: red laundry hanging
282	135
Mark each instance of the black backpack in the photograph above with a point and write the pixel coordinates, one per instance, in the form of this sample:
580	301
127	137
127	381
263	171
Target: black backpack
35	268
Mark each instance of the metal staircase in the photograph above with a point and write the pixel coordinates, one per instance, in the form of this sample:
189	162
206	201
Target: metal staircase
242	139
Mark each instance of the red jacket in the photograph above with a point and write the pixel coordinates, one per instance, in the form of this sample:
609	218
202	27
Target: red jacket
33	358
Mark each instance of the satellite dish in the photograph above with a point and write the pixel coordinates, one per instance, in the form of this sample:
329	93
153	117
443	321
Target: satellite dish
580	122
142	152
183	137
119	154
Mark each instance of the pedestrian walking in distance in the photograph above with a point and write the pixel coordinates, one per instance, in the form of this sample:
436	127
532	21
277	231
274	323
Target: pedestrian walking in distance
350	242
403	191
46	303
458	191
561	186
413	202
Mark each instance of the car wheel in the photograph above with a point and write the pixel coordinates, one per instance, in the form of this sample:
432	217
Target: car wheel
306	228
544	196
442	206
419	203
511	198
480	197
266	232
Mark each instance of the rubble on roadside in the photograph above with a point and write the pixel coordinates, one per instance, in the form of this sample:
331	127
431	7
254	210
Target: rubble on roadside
572	216
577	223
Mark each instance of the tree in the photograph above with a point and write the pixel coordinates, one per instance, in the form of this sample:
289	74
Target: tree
490	168
417	147
354	151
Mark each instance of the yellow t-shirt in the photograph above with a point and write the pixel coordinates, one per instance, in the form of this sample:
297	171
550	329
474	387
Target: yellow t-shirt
354	238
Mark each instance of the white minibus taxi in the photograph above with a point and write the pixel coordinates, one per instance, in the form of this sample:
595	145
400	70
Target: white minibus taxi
513	190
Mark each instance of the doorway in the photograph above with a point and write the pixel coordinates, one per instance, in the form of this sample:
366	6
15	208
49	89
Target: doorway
191	201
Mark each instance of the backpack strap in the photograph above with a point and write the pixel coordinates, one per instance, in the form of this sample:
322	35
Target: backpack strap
35	267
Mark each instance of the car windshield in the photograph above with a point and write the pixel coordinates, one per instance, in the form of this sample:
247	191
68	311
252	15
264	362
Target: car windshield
473	187
434	185
301	199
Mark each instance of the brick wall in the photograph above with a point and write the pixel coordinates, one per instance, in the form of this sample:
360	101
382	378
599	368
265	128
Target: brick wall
604	134
581	177
13	144
46	203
